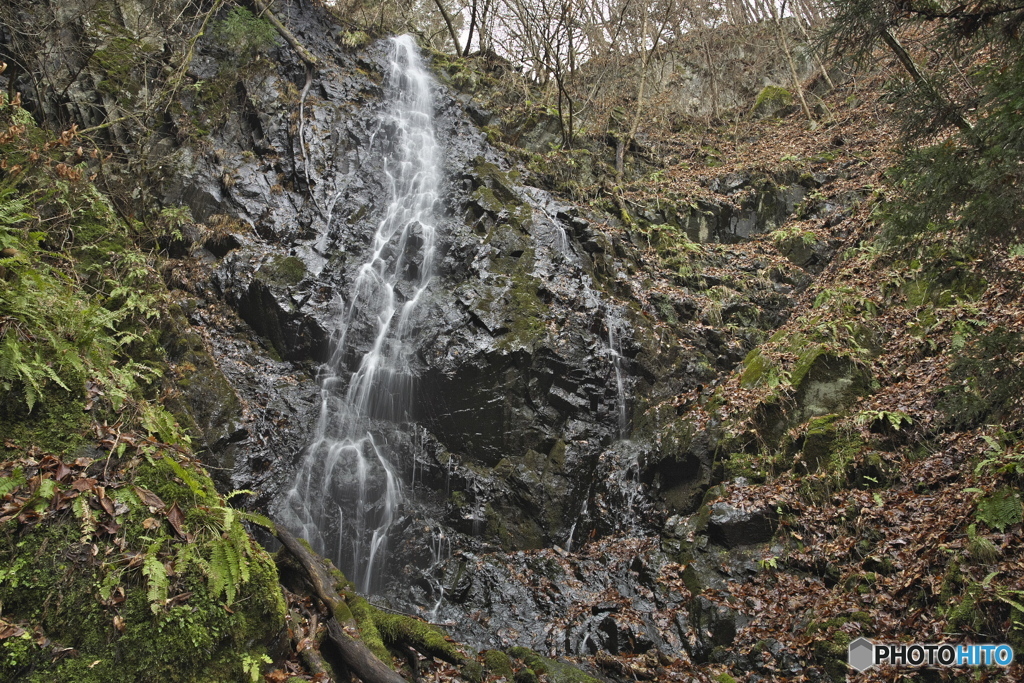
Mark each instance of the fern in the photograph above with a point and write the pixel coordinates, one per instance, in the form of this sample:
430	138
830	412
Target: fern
157	584
257	518
186	477
251	665
228	566
1000	509
158	421
85	515
12	482
220	572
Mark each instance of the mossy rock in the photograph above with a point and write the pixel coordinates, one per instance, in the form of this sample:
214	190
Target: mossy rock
498	663
379	630
512	529
832	655
772	101
818	442
825	381
758	370
473	672
555	671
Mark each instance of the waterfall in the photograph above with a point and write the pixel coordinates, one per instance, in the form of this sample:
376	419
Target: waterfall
615	351
347	493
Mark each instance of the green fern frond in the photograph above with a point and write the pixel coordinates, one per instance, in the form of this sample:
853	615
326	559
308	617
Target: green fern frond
257	518
1000	509
8	484
157	584
220	572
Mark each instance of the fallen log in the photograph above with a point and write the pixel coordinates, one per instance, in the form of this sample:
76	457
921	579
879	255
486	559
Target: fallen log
354	653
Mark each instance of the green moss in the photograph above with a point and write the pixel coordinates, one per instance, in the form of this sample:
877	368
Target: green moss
398	628
100	607
354	39
510	299
526	312
754	367
498	663
379	629
283	270
746	465
502	189
59	425
832	654
366	618
771	99
805	362
511	529
819	440
526	675
473	672
556	672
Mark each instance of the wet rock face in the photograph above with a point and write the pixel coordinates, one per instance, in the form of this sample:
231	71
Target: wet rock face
515	388
526	376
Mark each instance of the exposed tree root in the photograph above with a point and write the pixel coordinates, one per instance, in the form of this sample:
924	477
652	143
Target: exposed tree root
307	645
355	654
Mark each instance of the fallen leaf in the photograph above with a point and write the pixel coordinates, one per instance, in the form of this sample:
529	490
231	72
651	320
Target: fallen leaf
150	498
176	518
179	599
63	472
10	631
108	505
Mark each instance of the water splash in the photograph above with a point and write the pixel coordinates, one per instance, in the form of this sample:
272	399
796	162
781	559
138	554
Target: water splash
347	493
440	552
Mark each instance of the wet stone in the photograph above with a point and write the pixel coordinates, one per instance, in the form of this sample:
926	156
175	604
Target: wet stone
732	527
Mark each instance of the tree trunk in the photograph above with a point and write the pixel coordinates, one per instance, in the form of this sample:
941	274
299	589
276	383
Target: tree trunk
472	25
924	84
784	44
308	649
451	28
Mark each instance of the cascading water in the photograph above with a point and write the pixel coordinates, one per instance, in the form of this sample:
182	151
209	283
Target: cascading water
347	492
620	385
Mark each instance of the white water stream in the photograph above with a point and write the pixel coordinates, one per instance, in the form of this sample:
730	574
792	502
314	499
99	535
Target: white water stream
615	351
347	492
